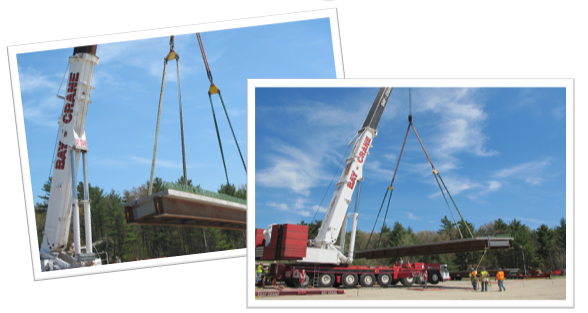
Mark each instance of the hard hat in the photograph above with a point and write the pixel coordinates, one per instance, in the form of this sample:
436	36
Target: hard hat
472	268
260	263
499	269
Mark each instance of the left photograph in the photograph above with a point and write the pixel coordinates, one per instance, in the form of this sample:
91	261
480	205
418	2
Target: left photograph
133	152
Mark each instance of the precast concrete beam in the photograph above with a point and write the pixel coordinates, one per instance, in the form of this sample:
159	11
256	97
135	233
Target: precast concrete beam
452	246
171	207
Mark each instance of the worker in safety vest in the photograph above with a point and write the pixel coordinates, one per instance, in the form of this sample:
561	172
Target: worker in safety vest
500	279
484	279
474	278
259	272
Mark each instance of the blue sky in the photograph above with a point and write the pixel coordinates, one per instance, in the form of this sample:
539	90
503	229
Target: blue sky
501	152
121	120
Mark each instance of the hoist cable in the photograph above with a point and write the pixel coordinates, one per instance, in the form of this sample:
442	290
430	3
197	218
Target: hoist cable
53	158
357	194
448	206
400	156
425	150
435	172
381	206
219	139
208	72
409	101
181	121
333	178
464	222
385	215
227	114
157	127
391	187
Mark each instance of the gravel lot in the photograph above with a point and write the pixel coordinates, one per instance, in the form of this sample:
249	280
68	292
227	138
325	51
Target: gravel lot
527	289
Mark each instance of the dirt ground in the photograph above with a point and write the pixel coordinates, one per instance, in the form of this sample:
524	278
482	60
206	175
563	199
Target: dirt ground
527	289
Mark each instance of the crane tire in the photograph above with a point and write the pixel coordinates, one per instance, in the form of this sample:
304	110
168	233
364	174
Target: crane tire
407	282
326	280
349	280
367	280
434	278
384	280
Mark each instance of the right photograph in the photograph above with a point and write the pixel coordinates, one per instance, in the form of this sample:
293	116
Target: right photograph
432	190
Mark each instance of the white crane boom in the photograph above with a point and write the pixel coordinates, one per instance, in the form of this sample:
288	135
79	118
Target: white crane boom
336	212
71	142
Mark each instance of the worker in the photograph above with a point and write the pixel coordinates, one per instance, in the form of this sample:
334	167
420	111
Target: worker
259	272
484	280
474	278
401	262
275	274
500	279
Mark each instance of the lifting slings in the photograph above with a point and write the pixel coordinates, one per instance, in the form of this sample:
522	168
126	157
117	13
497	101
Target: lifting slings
170	56
214	90
435	173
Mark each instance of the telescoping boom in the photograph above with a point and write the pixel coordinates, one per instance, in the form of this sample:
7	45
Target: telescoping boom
71	144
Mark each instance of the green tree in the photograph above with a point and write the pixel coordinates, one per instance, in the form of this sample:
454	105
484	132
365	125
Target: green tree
227	189
313	228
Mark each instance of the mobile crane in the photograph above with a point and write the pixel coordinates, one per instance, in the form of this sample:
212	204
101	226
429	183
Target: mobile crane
71	144
319	259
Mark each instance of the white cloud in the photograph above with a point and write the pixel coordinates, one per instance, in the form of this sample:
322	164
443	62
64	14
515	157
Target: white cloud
158	162
30	80
559	111
296	170
459	123
412	216
532	220
297	208
530	172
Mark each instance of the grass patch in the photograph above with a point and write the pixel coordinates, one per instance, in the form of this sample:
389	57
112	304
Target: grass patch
202	192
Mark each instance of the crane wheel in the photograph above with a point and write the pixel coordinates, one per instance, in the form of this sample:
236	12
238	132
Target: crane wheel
384	280
326	280
349	280
407	282
434	278
367	280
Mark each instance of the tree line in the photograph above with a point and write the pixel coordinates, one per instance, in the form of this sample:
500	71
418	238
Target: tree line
542	249
113	237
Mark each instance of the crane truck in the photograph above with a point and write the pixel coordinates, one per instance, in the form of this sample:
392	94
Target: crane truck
319	261
71	144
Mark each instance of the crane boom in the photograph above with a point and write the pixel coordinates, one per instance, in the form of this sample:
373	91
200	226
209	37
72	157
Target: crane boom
71	143
353	172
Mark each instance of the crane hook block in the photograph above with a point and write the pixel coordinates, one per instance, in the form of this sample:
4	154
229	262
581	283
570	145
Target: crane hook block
213	89
435	172
390	188
171	55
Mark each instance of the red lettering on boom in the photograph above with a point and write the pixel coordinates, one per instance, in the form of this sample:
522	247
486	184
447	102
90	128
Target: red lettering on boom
352	180
72	86
364	148
61	156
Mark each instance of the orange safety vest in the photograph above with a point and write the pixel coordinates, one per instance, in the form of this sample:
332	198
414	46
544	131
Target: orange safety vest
500	275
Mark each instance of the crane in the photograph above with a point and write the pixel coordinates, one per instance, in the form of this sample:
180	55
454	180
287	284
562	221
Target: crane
322	249
71	144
